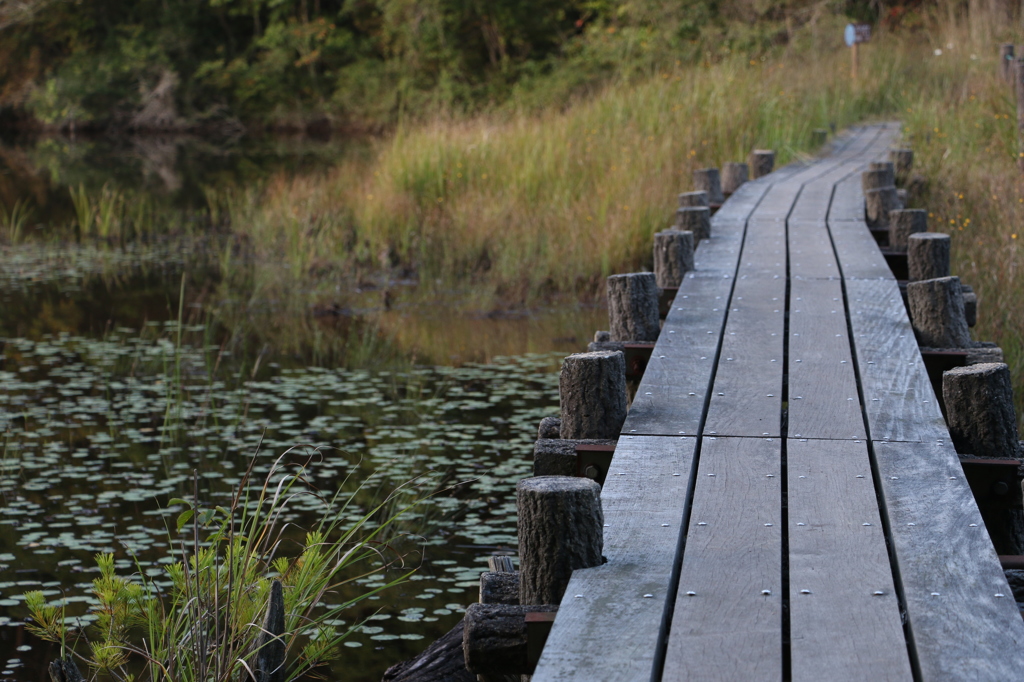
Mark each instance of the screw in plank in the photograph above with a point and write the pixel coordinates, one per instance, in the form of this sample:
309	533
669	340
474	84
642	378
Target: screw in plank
999	595
702	523
664	525
805	591
911	524
691	593
936	594
860	475
878	593
801	524
711	474
767	593
579	596
648	596
972	525
865	524
767	525
803	477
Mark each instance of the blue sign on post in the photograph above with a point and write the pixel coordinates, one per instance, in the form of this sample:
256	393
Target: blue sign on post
857	33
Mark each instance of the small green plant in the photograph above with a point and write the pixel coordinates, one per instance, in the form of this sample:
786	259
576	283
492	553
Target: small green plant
14	221
209	624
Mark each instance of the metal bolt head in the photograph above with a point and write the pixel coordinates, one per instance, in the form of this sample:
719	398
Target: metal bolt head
591	472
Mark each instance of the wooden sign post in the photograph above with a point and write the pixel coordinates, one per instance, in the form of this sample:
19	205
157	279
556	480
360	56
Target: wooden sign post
855	34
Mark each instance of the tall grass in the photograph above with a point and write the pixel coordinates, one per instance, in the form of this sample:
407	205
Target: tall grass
515	206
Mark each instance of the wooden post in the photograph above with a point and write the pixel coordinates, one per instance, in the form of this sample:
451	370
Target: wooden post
561	528
979	408
270	643
877	205
592	391
709	180
693	199
495	639
673	257
970	305
733	176
855	55
904	222
903	161
937	313
819	136
1005	66
762	162
928	255
633	306
877	178
696	219
500	585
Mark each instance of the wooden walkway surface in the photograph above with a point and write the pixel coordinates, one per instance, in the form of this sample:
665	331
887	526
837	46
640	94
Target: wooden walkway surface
784	502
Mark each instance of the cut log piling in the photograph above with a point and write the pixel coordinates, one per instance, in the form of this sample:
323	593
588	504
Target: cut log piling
550	427
979	405
495	639
937	313
693	199
877	205
270	643
561	529
673	257
733	177
633	307
762	162
902	161
819	136
710	181
904	222
592	390
696	219
928	255
877	178
1005	67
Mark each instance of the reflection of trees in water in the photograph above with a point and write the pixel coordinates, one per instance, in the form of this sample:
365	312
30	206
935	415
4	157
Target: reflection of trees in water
159	157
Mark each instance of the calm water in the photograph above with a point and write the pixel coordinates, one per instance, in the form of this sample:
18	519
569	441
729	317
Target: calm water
108	406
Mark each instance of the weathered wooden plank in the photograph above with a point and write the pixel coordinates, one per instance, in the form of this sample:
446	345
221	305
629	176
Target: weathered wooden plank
619	607
962	617
857	251
727	619
810	251
671	397
898	397
747	396
823	397
844	614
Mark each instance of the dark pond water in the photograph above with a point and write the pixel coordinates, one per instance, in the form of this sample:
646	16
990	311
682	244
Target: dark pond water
117	395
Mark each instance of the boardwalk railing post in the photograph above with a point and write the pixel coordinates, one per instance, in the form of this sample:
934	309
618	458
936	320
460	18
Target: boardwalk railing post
903	161
561	528
709	180
733	177
762	162
983	424
693	199
928	255
904	222
819	136
495	640
633	307
592	390
937	313
695	219
979	404
880	197
1005	66
673	257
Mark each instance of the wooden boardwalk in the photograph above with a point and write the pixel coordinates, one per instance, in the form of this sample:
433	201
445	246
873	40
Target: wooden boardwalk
784	502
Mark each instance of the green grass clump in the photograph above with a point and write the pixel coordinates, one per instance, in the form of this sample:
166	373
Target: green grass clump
205	620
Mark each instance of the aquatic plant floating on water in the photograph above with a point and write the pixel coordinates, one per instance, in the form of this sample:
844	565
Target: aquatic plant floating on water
211	620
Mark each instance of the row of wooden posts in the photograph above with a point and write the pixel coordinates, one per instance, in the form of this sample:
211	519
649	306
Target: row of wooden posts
560	522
